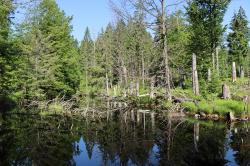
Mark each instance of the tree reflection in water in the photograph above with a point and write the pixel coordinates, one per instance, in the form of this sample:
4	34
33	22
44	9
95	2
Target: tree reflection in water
133	139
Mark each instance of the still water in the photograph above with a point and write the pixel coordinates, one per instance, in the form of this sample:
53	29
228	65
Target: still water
133	140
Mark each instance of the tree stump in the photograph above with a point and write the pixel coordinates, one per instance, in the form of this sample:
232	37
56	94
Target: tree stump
226	92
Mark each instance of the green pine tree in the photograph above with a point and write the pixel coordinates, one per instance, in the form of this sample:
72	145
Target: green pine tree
51	55
206	30
238	38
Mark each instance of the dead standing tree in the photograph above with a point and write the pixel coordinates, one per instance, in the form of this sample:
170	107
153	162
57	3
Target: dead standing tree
154	10
195	76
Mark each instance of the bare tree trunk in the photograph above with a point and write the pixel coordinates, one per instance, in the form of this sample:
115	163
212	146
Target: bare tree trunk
209	75
242	74
143	72
234	72
132	115
152	120
195	76
138	117
137	88
131	88
217	60
165	49
115	92
125	92
152	83
125	76
213	60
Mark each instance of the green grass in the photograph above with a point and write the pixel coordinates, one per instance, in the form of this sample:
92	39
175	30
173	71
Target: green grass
206	107
189	106
218	106
224	106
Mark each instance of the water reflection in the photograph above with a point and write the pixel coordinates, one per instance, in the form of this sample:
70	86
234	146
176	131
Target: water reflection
135	138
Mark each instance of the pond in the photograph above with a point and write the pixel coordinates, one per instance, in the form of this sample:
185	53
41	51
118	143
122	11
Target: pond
142	139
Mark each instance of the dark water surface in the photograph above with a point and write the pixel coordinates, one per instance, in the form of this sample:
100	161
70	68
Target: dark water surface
58	141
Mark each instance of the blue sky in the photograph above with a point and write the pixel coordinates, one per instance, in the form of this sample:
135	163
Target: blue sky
96	14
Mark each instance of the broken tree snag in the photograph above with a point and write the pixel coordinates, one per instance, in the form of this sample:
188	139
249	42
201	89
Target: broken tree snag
195	80
234	72
197	92
152	83
209	75
242	74
226	92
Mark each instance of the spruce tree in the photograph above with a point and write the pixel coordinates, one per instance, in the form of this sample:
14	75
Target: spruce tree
52	57
205	18
5	10
8	51
87	60
238	38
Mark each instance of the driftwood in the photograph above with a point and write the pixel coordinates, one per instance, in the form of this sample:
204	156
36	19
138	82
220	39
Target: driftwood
181	99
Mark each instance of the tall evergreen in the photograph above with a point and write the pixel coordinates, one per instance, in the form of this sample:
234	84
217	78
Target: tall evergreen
206	29
8	49
87	59
5	10
238	38
52	57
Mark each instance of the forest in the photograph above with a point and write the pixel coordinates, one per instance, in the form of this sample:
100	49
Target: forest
186	60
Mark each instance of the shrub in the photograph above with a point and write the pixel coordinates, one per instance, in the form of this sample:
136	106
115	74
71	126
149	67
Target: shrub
215	85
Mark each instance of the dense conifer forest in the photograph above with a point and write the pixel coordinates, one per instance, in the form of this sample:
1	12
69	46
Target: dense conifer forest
183	57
